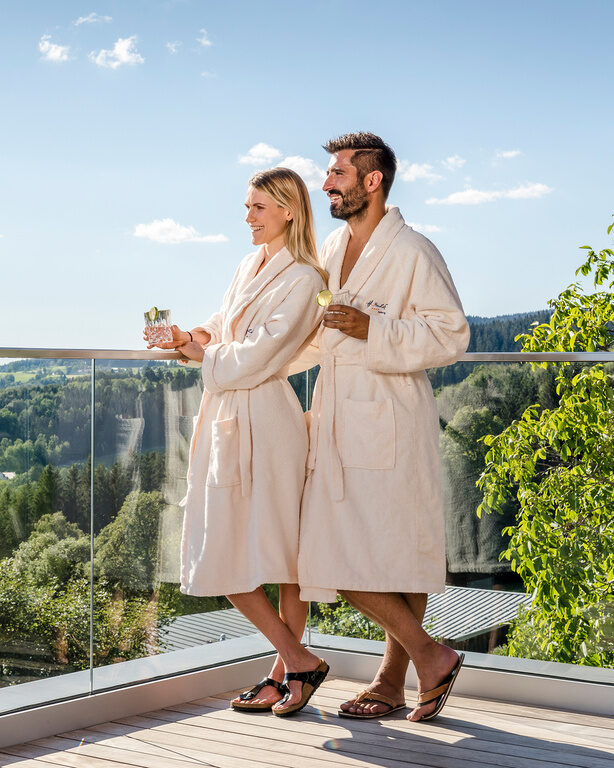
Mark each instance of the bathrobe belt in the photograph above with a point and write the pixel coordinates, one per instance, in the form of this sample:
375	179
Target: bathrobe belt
324	406
245	441
244	426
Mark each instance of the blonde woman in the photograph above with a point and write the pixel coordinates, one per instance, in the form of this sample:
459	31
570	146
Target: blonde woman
249	447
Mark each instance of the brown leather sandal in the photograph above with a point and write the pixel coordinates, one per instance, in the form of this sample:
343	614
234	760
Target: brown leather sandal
366	696
441	693
311	681
244	705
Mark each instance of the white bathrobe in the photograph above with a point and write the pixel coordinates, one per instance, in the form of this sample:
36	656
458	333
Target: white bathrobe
372	517
248	450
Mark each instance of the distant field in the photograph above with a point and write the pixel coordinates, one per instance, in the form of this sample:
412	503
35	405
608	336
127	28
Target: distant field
20	376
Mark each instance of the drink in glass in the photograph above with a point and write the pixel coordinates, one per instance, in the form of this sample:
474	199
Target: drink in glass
158	325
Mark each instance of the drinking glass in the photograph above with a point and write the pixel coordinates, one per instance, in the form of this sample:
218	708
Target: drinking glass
158	326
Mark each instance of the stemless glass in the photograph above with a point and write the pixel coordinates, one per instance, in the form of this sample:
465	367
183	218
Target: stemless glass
158	326
341	297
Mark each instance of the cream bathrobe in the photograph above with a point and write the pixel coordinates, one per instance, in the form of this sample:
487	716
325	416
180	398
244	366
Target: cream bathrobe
372	516
248	450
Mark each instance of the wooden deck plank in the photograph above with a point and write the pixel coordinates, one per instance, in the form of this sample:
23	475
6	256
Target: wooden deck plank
371	742
471	733
483	725
588	726
498	743
288	754
347	687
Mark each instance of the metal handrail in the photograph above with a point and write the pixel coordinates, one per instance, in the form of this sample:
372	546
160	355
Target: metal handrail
45	353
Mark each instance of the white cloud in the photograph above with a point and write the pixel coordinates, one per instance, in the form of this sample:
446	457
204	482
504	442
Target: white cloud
51	51
478	196
260	154
204	39
312	174
208	75
170	232
454	162
173	47
124	52
508	154
428	228
92	18
417	172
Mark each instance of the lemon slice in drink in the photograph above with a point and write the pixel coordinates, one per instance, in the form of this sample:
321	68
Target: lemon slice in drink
324	298
153	314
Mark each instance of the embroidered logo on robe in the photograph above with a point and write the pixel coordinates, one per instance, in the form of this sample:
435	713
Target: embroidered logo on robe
373	306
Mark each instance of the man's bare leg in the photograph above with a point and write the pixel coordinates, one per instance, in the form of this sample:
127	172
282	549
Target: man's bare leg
433	661
390	678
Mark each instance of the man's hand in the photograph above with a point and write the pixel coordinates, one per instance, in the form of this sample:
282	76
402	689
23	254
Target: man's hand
348	320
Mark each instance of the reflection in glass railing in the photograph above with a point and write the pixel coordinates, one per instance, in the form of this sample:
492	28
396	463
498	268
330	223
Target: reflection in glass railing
44	520
533	578
62	612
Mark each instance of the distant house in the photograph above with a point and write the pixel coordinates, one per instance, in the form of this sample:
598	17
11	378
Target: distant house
8	475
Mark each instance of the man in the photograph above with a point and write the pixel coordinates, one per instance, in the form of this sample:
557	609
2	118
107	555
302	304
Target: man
372	520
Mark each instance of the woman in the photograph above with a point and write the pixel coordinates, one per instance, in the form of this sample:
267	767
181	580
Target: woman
249	447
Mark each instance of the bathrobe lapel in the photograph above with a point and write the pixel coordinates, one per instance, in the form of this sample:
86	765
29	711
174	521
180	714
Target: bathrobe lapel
372	254
254	283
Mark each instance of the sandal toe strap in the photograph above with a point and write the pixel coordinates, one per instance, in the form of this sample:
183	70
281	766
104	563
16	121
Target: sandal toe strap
253	692
365	696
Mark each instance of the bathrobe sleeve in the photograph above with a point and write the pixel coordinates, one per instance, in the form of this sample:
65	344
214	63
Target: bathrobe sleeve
433	330
271	344
213	326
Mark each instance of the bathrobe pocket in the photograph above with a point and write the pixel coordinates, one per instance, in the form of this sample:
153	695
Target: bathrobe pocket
368	434
224	458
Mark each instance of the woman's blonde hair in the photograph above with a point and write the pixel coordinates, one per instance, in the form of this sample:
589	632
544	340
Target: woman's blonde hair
288	190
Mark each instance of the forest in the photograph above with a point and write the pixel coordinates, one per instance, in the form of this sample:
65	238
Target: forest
143	422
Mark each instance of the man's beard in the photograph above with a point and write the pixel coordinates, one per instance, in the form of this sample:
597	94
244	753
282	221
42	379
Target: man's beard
353	203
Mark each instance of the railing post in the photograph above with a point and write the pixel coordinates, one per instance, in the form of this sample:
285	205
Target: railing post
92	441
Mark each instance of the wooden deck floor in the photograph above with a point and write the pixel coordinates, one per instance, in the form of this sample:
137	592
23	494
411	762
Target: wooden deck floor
469	733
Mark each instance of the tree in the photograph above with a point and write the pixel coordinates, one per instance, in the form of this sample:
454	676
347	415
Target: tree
558	463
126	551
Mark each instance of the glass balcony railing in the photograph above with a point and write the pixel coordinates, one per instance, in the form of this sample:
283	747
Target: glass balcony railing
93	458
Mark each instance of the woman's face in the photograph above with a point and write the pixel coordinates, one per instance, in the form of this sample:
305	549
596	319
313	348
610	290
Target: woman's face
266	219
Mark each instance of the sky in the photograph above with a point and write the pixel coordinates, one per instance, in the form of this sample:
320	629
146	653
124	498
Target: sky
129	132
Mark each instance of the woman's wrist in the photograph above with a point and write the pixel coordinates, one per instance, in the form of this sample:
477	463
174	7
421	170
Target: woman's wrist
189	337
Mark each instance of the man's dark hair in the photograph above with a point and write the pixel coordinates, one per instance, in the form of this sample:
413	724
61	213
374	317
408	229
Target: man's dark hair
371	154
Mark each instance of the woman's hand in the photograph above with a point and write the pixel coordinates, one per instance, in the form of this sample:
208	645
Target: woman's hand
179	337
348	320
192	351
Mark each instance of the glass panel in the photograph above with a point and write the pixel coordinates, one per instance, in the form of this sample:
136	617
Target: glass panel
144	420
484	594
44	531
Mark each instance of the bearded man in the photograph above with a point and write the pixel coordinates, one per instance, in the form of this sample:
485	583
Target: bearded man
372	518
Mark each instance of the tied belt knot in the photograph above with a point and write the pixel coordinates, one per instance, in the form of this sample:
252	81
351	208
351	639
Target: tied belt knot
324	408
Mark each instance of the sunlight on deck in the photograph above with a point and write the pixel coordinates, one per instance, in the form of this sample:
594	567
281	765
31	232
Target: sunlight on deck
470	732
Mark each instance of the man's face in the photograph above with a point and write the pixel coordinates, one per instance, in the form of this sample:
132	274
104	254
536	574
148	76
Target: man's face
345	191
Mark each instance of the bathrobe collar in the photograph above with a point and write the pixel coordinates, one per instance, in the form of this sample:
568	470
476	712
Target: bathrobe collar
373	252
255	283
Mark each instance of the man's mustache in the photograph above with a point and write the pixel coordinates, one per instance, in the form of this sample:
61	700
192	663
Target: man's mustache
334	192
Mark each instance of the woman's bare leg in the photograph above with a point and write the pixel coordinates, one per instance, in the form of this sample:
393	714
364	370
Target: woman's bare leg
293	657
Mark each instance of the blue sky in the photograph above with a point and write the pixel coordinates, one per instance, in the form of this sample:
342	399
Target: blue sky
127	130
